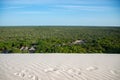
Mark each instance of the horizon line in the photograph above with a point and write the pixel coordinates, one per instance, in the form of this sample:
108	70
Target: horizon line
58	25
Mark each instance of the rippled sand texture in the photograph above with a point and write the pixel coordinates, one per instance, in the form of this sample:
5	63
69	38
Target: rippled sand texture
59	67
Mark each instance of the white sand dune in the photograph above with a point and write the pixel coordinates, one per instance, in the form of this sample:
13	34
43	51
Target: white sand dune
59	67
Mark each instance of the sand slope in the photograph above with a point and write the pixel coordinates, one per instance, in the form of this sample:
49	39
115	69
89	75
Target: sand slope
59	67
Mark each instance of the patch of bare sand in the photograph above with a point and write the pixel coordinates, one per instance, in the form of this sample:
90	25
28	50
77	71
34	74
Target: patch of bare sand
59	67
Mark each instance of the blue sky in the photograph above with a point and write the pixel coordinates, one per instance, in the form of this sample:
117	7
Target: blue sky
60	12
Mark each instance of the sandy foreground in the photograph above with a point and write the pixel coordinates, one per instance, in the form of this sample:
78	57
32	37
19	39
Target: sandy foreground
59	67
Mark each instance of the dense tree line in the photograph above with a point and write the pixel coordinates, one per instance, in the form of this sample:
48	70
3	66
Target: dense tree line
60	39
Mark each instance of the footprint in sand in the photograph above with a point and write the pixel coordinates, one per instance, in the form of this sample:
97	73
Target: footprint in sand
114	72
24	71
33	77
71	71
74	71
50	69
91	68
19	74
26	74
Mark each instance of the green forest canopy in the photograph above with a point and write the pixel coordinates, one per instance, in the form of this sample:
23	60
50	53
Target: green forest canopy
60	39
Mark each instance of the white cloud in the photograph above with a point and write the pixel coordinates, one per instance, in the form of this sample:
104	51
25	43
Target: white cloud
29	1
68	5
33	12
53	1
89	8
11	7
